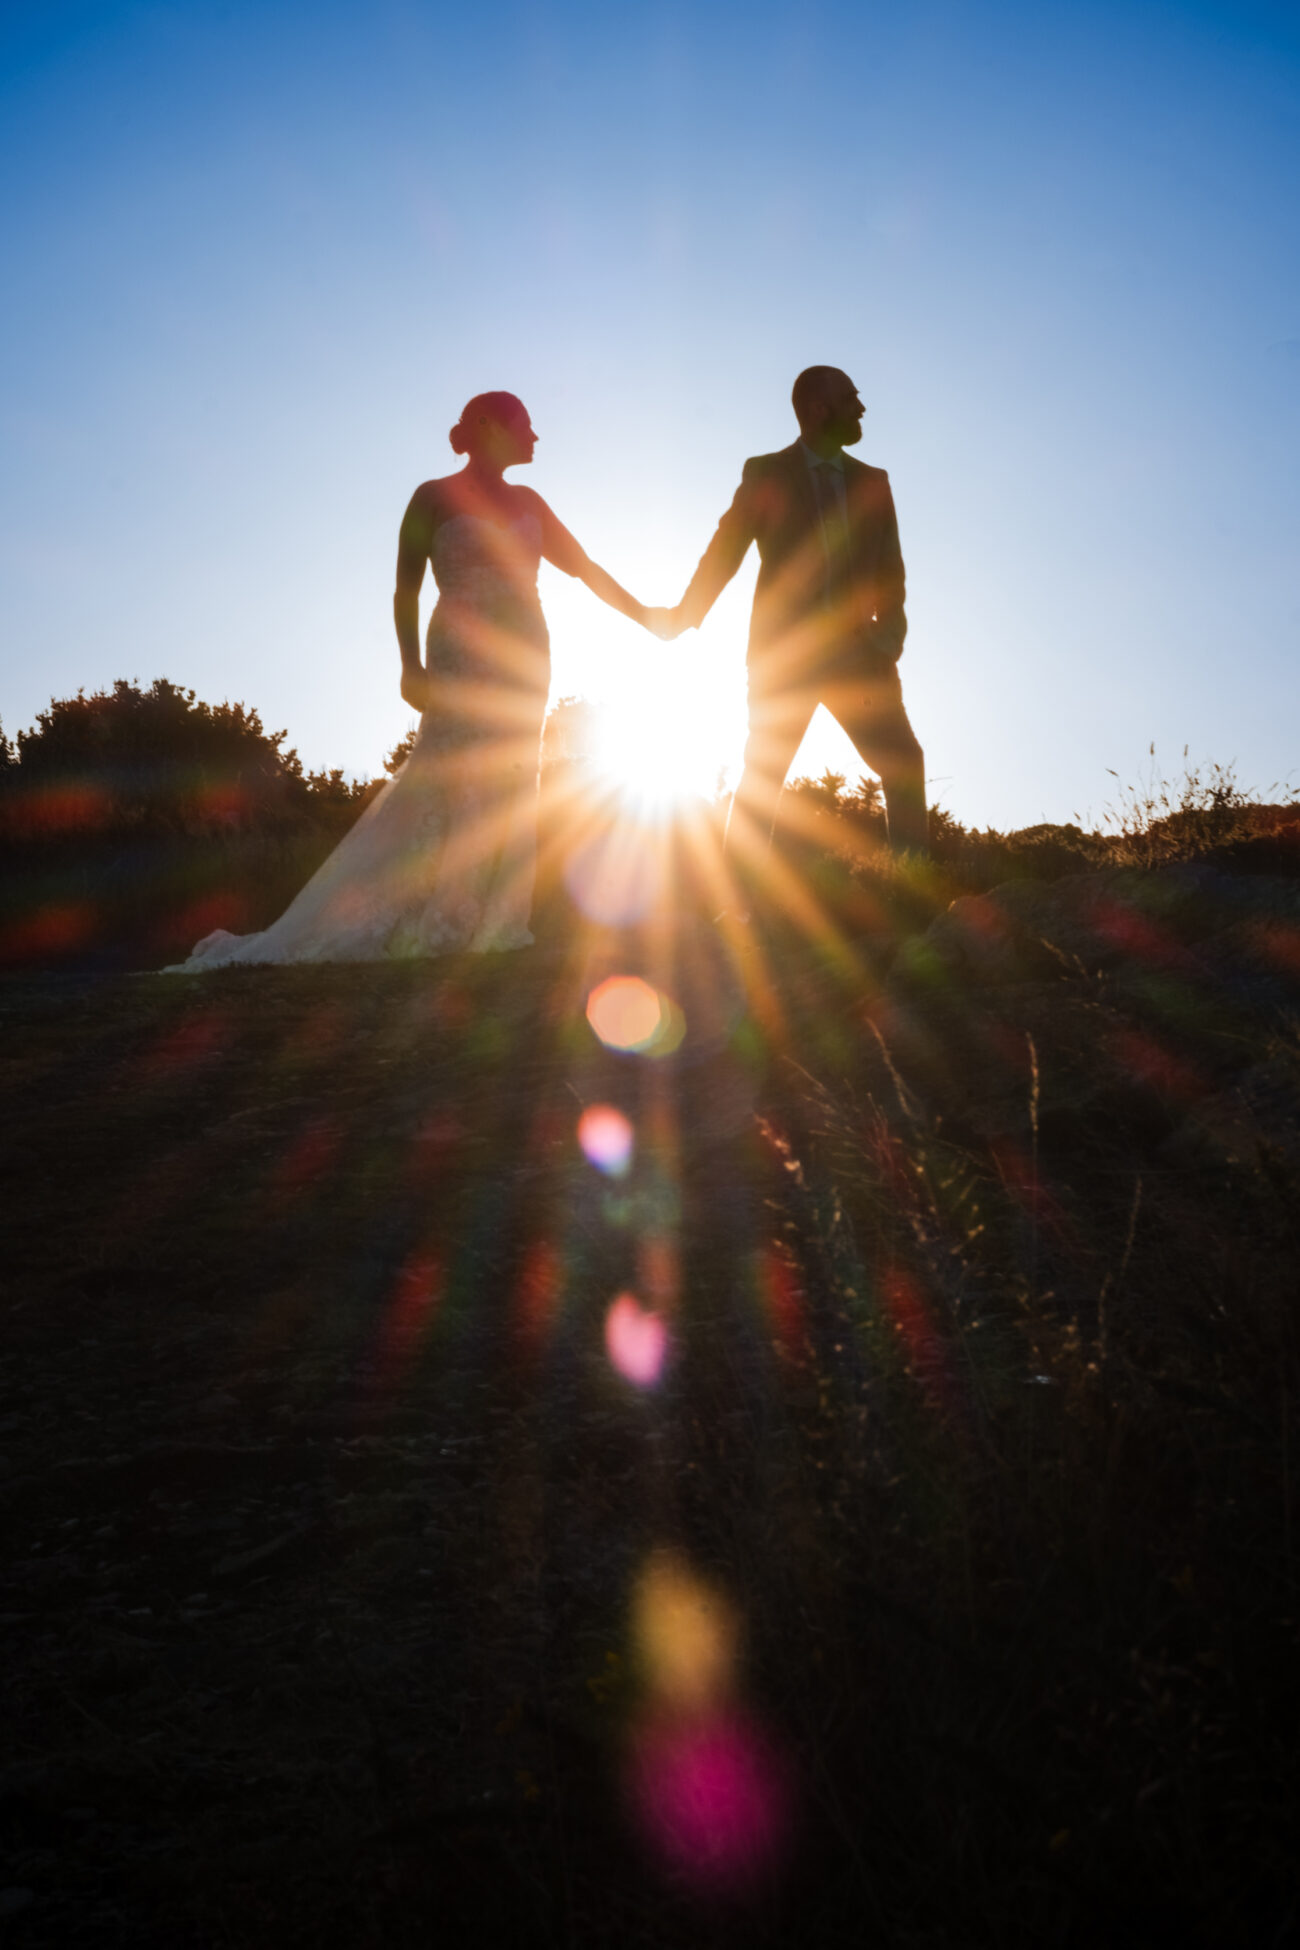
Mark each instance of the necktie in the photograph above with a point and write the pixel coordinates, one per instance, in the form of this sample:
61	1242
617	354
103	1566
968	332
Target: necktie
834	534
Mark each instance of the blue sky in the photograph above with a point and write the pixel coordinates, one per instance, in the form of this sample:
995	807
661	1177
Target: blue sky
258	255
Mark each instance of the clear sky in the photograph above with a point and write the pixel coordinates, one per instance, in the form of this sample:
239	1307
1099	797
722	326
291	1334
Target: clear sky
257	254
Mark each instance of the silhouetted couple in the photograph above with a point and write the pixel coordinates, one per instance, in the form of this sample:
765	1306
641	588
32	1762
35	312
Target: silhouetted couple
442	858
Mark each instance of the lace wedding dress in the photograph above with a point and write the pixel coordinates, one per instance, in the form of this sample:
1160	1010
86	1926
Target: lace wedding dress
441	861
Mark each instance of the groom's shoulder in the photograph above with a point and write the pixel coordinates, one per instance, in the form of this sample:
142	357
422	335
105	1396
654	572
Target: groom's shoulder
759	464
765	478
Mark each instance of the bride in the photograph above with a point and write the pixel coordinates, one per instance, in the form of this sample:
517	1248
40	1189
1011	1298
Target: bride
442	858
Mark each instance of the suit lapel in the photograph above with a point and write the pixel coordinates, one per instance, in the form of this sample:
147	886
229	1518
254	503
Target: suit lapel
803	496
859	501
855	475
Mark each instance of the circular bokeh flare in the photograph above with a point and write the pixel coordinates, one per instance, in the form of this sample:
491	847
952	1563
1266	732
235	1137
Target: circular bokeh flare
628	1014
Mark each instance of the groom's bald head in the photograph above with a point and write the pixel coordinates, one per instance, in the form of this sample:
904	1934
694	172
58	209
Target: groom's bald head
827	406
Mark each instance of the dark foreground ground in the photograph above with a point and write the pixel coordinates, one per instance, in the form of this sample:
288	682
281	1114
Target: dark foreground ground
329	1518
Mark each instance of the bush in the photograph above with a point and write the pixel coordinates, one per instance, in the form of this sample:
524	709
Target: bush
834	837
132	821
401	751
1161	820
159	761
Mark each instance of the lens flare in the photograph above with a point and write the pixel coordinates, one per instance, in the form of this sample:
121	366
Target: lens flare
417	1292
686	1635
197	1041
659	1263
305	1164
707	1788
615	877
782	1301
711	1799
607	1139
628	1014
1277	943
658	759
538	1294
49	931
624	1012
636	1341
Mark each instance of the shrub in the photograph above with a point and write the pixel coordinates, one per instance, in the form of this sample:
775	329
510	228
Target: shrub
133	819
131	760
401	751
1160	820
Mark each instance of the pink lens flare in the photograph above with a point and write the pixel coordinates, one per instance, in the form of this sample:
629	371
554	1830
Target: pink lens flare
607	1139
628	1014
635	1341
711	1798
615	878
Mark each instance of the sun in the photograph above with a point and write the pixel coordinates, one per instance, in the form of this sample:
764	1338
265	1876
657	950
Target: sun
660	749
656	752
667	728
660	721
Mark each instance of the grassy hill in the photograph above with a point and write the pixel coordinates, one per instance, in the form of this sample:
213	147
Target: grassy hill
937	1588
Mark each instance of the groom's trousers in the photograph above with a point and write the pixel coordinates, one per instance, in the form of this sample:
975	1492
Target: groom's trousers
867	701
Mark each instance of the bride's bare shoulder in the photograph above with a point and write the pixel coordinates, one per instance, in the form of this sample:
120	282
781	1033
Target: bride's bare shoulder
438	498
432	503
527	501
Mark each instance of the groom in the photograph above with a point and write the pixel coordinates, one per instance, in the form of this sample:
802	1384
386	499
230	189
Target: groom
827	625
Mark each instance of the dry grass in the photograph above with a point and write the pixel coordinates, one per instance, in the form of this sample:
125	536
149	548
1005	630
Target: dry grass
1201	812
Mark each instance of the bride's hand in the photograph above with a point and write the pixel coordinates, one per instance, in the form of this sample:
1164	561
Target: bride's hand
416	688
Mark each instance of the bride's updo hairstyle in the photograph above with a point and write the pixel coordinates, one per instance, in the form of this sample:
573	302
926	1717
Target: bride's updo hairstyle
484	410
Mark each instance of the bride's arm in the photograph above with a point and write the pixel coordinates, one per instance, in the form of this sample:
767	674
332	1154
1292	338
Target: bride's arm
663	623
413	545
560	547
602	584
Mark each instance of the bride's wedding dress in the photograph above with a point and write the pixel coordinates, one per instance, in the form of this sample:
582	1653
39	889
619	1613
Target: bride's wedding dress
442	859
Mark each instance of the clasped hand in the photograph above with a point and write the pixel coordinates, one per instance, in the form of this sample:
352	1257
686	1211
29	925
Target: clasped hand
666	624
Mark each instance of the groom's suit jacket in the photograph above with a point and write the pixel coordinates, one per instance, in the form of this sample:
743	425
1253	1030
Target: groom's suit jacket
816	614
